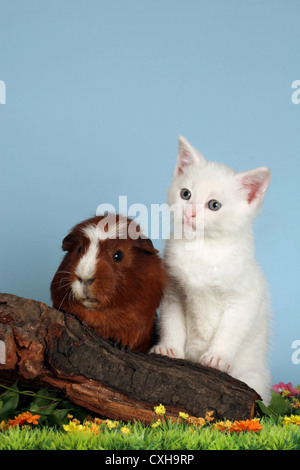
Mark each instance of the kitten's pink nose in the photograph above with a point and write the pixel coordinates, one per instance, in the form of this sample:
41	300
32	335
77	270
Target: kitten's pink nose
190	211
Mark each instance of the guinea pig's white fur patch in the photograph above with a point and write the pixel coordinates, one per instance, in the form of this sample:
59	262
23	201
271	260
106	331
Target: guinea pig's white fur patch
86	268
87	265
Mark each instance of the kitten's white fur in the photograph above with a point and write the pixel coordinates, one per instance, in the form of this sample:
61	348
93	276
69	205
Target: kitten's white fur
216	309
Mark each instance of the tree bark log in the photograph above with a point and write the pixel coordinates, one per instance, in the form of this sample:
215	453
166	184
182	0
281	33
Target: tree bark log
49	348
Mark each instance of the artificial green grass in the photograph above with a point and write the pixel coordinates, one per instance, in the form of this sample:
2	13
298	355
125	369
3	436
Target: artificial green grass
51	430
273	436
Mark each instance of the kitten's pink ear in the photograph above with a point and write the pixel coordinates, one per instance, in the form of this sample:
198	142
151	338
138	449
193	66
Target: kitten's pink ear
187	156
255	183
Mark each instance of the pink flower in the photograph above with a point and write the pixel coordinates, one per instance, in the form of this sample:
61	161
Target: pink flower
289	390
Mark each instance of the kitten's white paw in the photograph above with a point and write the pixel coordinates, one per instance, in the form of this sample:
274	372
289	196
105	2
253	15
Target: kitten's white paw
164	351
215	361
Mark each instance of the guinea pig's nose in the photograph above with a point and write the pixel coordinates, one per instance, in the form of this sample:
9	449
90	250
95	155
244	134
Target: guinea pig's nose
88	282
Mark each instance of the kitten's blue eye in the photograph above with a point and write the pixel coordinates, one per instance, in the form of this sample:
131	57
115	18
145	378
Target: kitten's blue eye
185	194
214	205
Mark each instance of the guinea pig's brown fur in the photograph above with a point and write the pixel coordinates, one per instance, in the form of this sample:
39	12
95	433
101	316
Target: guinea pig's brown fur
113	284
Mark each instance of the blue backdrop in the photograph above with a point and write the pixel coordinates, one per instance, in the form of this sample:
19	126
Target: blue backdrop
97	92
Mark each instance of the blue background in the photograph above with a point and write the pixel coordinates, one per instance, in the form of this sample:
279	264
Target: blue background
97	92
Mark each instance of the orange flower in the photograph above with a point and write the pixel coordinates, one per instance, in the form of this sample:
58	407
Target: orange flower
222	425
248	425
208	416
238	426
192	420
23	418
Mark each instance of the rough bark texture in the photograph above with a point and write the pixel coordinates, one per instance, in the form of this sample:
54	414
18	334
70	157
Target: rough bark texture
49	348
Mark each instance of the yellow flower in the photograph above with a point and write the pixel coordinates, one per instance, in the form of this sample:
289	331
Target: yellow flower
157	423
160	410
125	430
73	427
293	419
183	415
111	424
87	427
75	421
2	425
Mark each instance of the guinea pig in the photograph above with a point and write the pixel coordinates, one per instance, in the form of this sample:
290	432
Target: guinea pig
111	278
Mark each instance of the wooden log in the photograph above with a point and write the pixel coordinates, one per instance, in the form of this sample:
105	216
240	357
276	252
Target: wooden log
49	348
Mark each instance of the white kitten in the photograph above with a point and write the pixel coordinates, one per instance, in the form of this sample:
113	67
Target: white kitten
215	310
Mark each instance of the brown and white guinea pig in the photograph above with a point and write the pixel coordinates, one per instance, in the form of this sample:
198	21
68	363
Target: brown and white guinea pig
110	280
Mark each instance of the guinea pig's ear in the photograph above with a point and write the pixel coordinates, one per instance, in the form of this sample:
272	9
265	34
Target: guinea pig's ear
146	245
69	242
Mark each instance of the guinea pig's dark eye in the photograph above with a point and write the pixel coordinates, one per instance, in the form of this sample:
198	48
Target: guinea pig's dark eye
185	194
118	256
79	250
214	205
